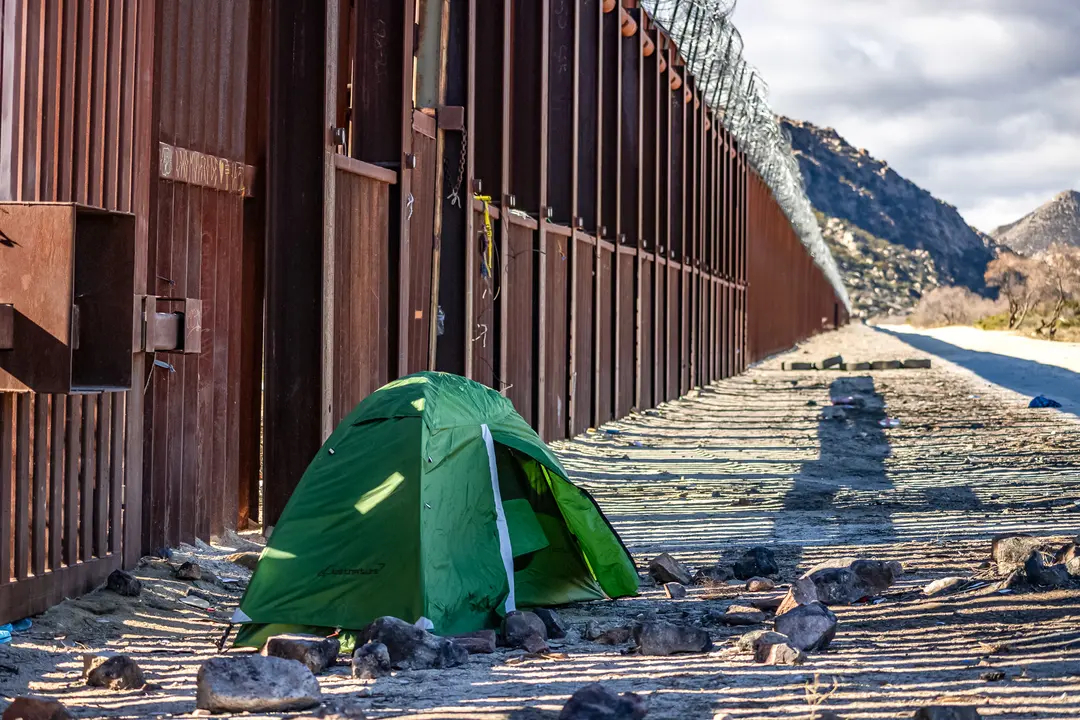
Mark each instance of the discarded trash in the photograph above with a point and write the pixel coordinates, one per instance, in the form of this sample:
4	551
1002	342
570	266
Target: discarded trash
196	601
846	401
5	637
1041	401
637	443
613	431
889	422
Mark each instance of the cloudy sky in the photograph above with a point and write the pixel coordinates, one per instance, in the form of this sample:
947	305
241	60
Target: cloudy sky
978	101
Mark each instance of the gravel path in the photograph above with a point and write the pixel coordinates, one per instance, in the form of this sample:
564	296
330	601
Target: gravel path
743	462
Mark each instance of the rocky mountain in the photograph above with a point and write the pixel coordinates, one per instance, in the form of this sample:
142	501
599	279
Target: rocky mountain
1058	221
889	222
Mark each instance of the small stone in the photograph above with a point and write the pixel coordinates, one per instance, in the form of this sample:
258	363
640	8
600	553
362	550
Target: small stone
411	647
675	591
255	683
116	672
189	571
481	642
748	642
944	586
337	710
992	676
783	654
371	661
520	625
1072	566
842	582
615	636
768	603
596	702
248	560
833	413
759	584
809	627
756	562
1010	552
30	708
660	638
947	712
556	630
124	583
664	569
811	403
316	652
535	644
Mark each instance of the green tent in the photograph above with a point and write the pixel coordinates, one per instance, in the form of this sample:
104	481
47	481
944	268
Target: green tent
432	500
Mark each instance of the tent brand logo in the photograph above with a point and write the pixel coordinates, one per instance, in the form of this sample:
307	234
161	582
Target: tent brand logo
333	571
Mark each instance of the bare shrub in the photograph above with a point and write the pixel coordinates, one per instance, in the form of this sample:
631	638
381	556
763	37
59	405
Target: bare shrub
952	306
1016	277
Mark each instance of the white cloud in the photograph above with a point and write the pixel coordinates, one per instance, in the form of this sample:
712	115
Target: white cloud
978	101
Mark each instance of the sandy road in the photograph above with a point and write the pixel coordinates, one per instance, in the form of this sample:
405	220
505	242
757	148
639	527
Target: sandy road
747	461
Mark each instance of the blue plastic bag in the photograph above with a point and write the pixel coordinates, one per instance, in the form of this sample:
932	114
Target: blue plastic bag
1041	401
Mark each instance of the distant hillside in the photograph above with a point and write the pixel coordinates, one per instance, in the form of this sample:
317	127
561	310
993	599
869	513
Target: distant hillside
928	238
1058	221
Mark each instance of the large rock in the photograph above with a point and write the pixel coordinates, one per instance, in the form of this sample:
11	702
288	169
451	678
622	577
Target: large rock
124	583
479	642
756	562
842	582
675	591
615	635
556	630
595	702
316	652
30	708
808	627
370	661
412	648
664	569
522	629
661	638
116	672
713	575
1010	552
947	712
759	584
255	683
189	571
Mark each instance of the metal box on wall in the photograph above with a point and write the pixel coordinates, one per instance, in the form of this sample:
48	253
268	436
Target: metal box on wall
68	273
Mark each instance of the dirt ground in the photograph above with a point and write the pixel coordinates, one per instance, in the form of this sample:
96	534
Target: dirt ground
744	462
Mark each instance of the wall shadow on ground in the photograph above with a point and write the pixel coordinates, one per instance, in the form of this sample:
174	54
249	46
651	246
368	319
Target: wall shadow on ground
1027	377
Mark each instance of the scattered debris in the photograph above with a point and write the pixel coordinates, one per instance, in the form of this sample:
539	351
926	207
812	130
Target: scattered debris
1041	401
661	638
116	672
675	591
315	652
944	586
808	627
481	642
759	584
413	648
756	562
889	422
30	708
255	683
371	661
1040	573
664	569
596	702
556	630
992	676
123	583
